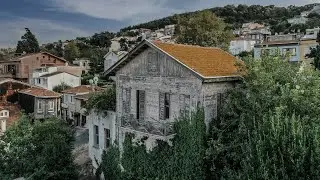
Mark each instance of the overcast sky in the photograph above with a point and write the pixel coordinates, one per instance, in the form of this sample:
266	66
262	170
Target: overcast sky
51	20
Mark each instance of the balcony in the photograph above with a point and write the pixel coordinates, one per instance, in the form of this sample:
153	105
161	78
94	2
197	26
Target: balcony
150	127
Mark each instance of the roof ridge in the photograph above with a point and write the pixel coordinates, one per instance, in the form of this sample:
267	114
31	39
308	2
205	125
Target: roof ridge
187	45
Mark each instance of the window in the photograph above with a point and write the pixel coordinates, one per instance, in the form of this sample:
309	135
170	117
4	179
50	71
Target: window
107	141
164	104
71	115
140	104
167	106
96	135
51	105
43	57
37	58
71	98
290	51
39	81
1	114
39	106
126	98
45	82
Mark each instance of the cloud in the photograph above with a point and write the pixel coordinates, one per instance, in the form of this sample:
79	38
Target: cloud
112	9
45	31
136	11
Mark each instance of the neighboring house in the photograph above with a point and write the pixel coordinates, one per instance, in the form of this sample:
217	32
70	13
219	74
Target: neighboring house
311	33
70	110
49	77
287	45
9	114
112	57
241	44
288	49
51	80
159	82
40	102
84	64
20	68
102	133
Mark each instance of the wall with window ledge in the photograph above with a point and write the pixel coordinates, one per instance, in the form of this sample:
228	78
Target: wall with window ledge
103	121
258	51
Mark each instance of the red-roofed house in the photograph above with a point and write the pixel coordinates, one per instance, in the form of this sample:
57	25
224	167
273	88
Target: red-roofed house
40	102
158	82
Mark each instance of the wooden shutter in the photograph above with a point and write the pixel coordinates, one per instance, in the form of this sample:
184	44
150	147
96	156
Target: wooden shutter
219	104
126	98
142	98
161	106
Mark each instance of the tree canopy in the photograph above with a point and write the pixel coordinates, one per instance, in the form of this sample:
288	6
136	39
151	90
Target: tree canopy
28	43
71	51
204	29
37	150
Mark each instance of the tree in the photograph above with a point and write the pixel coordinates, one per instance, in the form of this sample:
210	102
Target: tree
102	101
102	39
71	51
59	88
124	44
28	43
97	60
37	150
275	100
315	54
204	29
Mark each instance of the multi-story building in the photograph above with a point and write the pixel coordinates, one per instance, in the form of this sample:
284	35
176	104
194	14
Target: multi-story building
159	82
50	77
20	68
287	46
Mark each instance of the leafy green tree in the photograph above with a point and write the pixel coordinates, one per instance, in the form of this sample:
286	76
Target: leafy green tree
97	60
124	44
315	54
61	87
28	43
71	51
37	150
110	165
272	90
204	29
102	39
102	101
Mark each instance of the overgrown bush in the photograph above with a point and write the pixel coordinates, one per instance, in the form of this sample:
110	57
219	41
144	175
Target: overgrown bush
59	88
102	101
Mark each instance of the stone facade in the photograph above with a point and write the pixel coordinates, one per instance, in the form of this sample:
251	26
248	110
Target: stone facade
153	90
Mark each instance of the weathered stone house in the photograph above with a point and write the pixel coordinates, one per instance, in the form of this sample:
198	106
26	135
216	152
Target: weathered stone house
40	102
158	82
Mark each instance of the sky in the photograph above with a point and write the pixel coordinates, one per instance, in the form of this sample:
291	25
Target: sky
53	20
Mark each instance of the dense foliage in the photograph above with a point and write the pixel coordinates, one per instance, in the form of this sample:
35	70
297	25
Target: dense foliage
71	51
28	43
315	54
237	15
269	127
183	159
102	101
37	150
194	31
61	87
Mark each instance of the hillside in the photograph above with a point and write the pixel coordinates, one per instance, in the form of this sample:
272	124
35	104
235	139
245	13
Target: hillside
237	15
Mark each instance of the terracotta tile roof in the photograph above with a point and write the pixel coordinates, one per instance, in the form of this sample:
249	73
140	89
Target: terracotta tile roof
206	61
40	92
82	89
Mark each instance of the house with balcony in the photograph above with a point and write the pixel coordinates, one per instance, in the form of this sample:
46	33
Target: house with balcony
19	68
159	82
40	102
287	46
72	103
49	77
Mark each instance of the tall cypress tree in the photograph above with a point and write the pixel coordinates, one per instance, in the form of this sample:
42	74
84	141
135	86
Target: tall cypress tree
28	43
